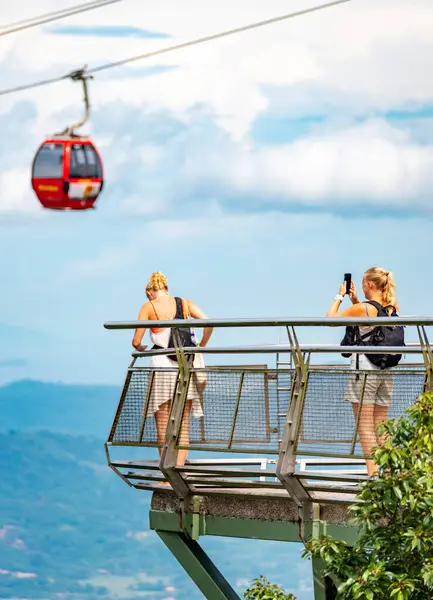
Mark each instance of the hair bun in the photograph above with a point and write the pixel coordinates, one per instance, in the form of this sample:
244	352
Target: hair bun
157	281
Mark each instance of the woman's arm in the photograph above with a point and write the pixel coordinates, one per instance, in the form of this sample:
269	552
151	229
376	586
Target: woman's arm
358	309
197	313
143	315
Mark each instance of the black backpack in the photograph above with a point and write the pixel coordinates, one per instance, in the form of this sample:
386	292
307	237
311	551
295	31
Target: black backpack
185	334
382	335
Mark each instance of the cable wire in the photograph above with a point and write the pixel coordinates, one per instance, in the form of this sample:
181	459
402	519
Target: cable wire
50	14
195	42
216	36
53	16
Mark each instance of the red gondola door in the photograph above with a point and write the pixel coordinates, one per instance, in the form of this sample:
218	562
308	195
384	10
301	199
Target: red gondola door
85	174
48	173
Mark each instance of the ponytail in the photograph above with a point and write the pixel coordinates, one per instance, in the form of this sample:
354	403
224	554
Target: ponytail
388	294
384	282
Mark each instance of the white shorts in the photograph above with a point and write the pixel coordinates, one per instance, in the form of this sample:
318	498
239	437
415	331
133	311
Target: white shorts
379	384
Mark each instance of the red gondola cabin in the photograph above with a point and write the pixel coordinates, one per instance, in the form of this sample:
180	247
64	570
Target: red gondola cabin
67	173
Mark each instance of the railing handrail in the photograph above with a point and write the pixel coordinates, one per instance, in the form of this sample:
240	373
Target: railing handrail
275	322
410	348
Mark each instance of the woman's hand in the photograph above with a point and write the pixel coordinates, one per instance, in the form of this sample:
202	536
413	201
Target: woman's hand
352	294
342	290
140	348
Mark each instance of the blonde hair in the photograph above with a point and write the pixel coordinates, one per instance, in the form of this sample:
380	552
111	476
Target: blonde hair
157	281
384	282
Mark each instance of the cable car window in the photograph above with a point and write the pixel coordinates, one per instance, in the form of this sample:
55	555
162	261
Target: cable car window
48	163
78	168
93	163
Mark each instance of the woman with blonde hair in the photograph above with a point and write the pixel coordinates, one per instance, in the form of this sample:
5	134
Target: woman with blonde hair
162	306
379	290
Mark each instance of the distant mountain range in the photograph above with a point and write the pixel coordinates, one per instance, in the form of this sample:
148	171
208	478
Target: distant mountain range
73	409
70	529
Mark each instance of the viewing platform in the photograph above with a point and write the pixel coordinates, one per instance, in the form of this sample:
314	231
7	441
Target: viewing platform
276	453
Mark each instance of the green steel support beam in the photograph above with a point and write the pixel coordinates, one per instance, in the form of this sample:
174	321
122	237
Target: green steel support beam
198	565
199	524
318	580
324	587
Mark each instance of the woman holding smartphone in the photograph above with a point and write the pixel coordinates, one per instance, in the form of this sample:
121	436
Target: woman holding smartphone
379	288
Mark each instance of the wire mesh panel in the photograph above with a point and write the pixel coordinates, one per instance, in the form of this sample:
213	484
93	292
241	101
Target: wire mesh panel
240	412
284	389
332	422
144	392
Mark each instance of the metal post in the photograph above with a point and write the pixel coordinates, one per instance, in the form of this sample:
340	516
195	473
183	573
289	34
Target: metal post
318	580
199	566
427	356
170	450
324	587
287	457
358	416
235	413
146	406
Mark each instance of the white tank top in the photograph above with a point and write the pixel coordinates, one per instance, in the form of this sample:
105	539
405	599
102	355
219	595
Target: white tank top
161	338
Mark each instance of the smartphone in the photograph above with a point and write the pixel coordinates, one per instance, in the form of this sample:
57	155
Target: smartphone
348	280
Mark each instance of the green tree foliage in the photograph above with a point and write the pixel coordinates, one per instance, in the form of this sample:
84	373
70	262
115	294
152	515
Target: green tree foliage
262	589
393	559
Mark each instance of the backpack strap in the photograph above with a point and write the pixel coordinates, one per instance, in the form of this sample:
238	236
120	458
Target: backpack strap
380	309
179	308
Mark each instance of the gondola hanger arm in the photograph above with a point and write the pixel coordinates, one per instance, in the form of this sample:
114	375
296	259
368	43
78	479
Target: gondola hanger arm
80	75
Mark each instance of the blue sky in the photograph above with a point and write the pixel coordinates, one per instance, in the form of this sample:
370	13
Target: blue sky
113	31
253	172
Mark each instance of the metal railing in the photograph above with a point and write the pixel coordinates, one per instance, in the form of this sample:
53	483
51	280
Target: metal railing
289	411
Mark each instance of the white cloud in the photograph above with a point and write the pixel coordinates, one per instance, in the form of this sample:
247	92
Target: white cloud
355	48
15	196
358	58
372	163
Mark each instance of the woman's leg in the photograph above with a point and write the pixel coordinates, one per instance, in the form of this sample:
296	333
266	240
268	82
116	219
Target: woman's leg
384	397
161	420
380	415
184	434
366	433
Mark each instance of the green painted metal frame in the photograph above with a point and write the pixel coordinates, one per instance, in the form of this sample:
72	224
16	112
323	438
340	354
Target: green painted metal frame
170	452
146	406
197	525
236	410
427	357
358	416
287	450
181	539
198	565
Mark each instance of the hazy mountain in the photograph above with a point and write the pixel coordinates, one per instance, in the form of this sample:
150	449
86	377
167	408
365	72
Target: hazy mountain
70	528
77	409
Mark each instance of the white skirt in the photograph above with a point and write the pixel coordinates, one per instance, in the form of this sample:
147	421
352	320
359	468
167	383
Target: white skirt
164	384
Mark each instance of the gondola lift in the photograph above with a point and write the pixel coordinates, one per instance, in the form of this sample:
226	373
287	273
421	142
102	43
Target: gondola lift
67	171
